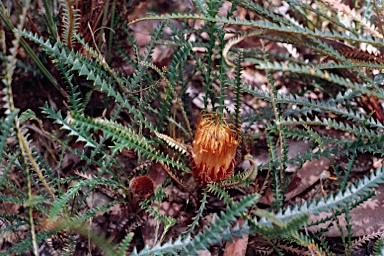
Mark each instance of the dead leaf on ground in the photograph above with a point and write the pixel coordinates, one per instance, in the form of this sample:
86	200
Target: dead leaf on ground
239	246
365	219
306	177
161	55
157	174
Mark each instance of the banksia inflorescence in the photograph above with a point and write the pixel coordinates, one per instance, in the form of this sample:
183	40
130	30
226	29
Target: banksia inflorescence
214	149
142	188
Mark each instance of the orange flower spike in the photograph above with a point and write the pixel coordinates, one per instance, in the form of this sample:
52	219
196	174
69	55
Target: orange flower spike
214	149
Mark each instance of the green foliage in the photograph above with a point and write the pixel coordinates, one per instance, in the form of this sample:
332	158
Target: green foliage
238	89
5	129
211	235
379	247
60	202
319	87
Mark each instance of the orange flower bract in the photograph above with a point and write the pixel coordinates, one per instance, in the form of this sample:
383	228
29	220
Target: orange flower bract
214	149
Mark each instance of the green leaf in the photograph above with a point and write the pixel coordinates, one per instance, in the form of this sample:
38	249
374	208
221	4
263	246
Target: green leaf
27	115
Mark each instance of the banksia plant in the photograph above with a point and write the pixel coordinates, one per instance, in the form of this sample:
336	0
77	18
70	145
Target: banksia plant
214	149
302	82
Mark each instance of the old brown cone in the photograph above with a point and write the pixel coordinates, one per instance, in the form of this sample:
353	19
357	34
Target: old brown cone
142	187
214	149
